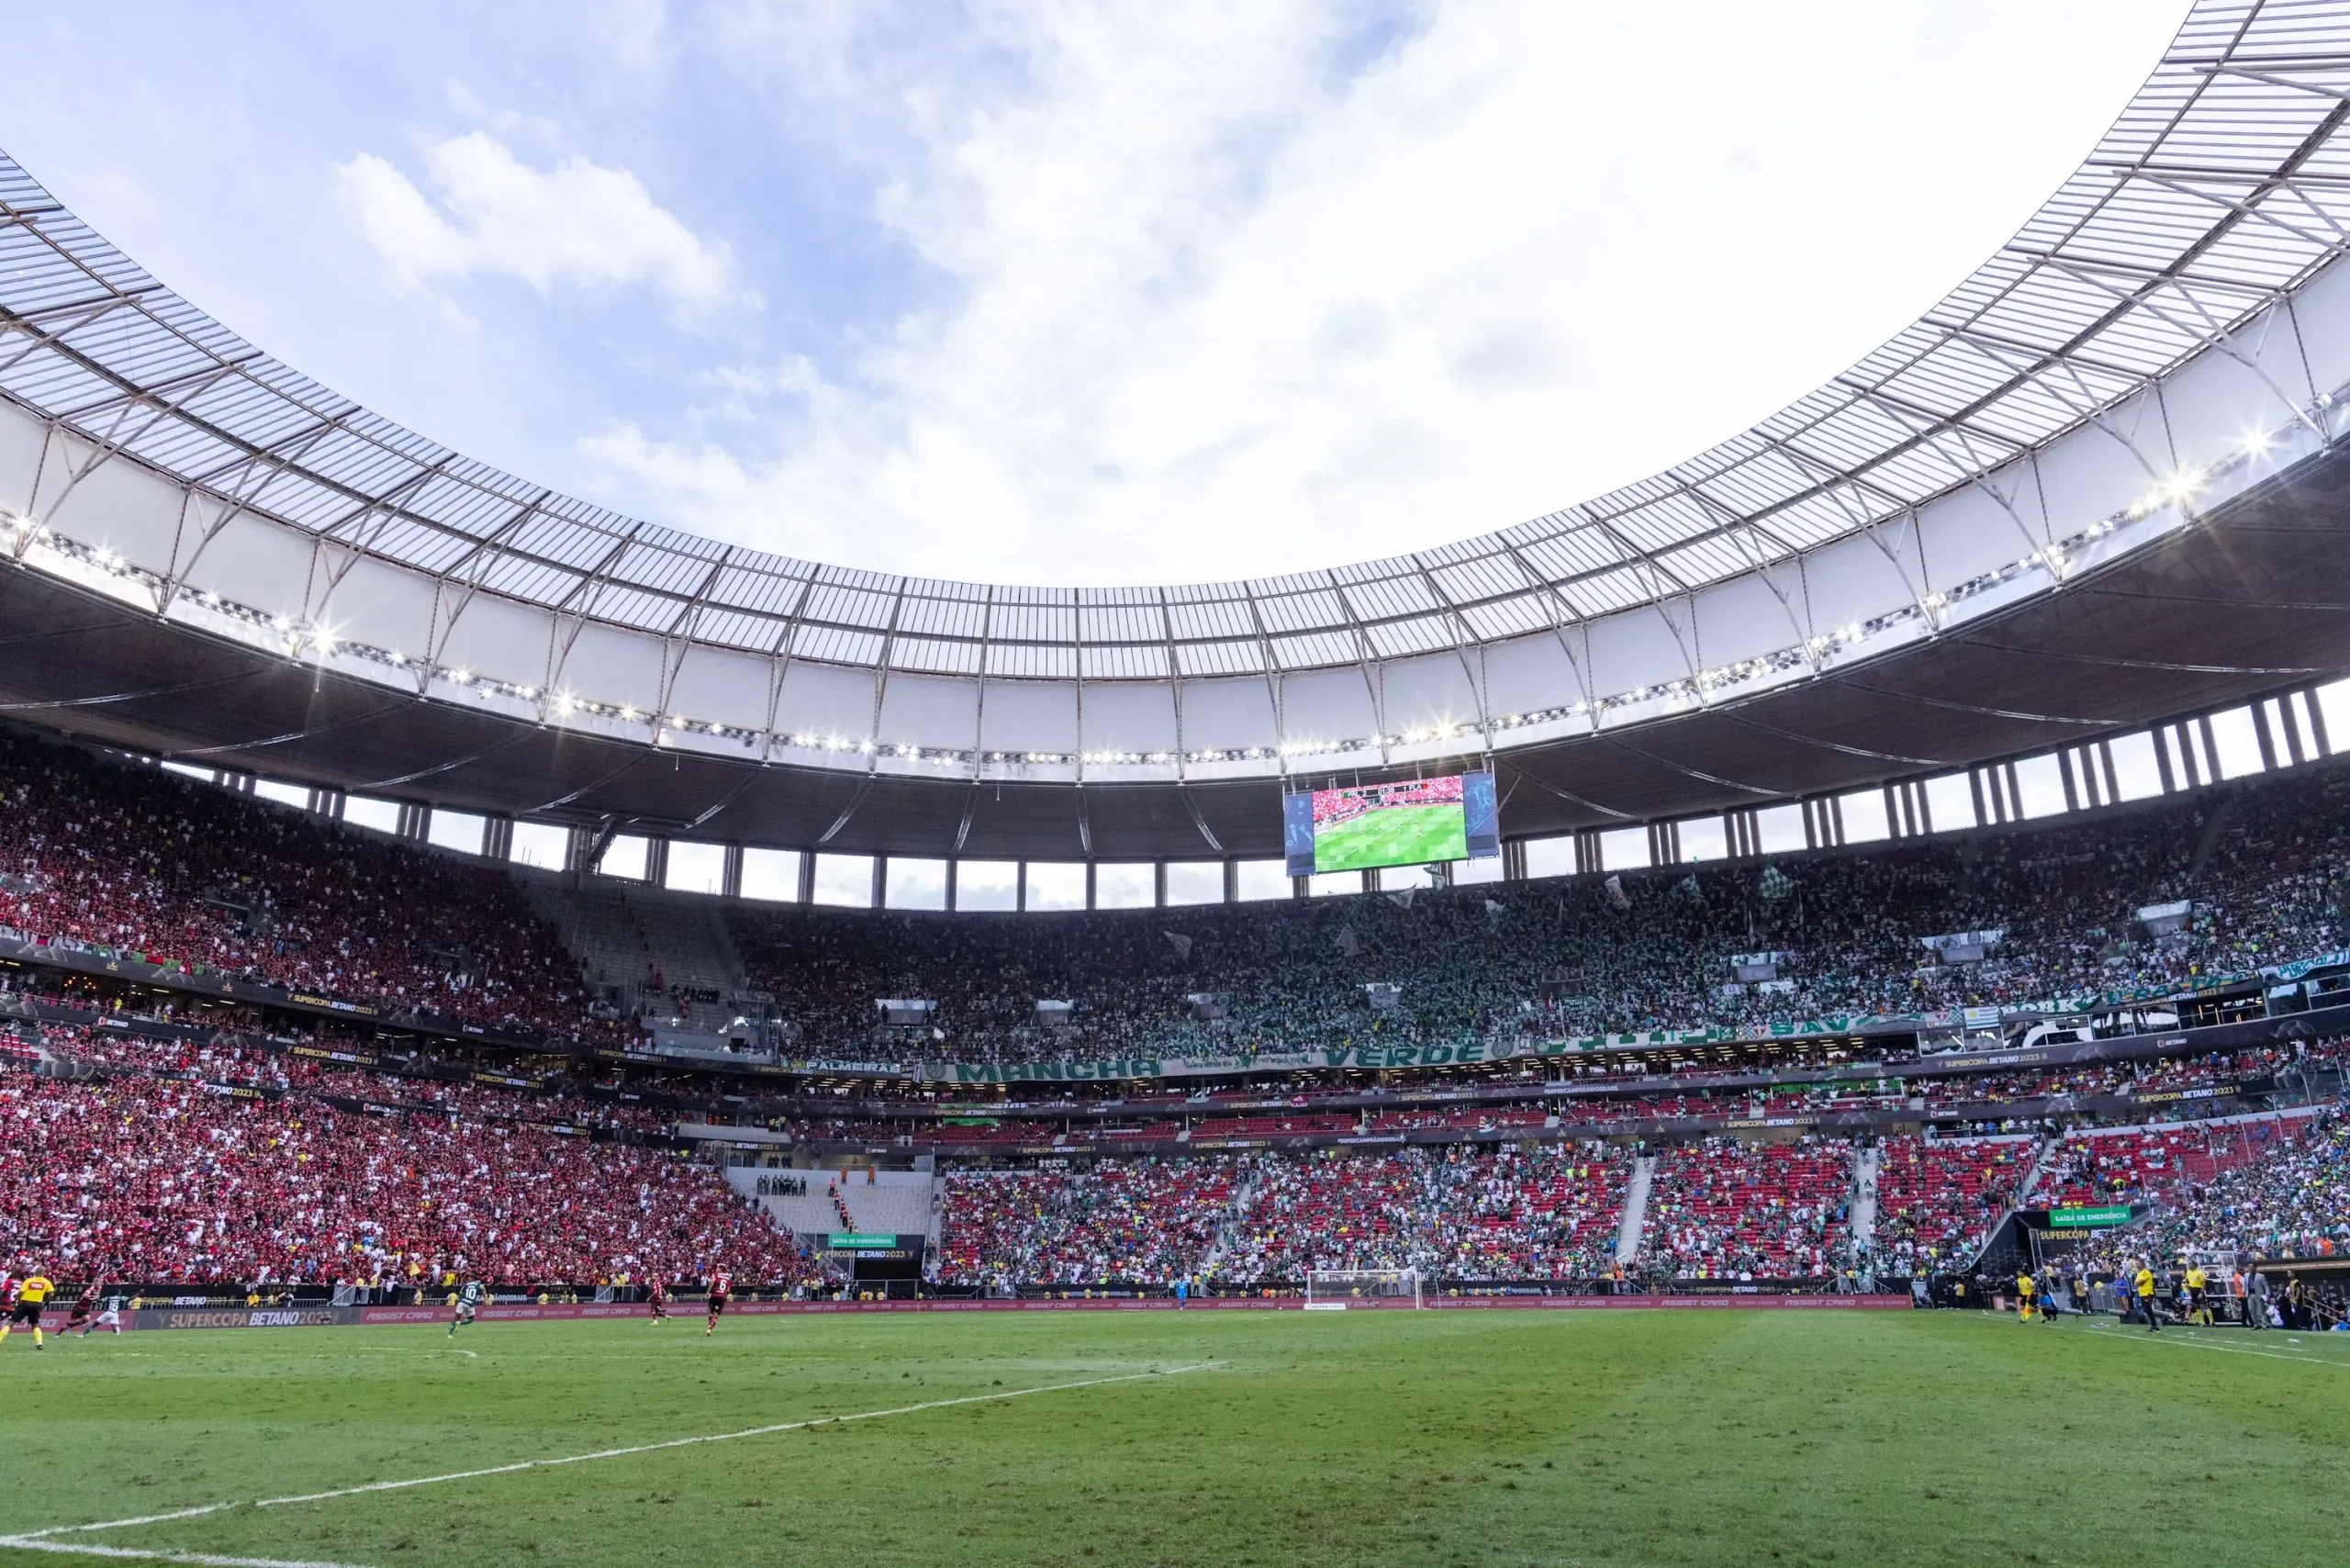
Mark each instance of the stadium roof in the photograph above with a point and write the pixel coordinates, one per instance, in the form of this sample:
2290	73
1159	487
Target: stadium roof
2156	340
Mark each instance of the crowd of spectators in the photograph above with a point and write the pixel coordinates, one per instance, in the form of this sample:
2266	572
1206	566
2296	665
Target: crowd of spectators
2263	872
1456	1212
1937	1201
150	1180
1135	1221
132	856
2141	1165
2286	1200
139	858
1720	1209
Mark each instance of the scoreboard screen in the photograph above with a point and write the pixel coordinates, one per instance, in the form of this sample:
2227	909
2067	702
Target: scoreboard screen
1414	823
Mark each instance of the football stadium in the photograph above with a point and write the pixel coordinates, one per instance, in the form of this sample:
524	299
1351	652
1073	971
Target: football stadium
531	1032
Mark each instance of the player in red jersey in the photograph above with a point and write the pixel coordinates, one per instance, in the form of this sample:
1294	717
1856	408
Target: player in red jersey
657	1292
720	1284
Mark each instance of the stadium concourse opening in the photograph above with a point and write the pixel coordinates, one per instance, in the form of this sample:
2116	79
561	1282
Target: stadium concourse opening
526	1034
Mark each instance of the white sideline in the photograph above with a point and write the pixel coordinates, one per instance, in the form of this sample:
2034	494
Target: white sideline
37	1541
2200	1344
86	1549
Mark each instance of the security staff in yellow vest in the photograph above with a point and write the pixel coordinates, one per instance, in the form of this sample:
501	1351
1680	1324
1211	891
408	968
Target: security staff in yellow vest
2144	1284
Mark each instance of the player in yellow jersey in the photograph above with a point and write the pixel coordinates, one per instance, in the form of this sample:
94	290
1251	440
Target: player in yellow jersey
32	1294
2199	1307
2023	1296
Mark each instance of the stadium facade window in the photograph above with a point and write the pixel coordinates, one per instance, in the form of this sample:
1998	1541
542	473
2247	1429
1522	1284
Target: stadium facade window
366	811
1624	850
1124	884
2334	706
1949	802
846	880
1863	817
914	882
1550	857
1468	873
769	874
2137	774
1702	838
1195	882
1055	884
1260	880
2040	785
284	794
696	867
2235	743
987	884
460	831
624	857
1778	830
1333	884
542	844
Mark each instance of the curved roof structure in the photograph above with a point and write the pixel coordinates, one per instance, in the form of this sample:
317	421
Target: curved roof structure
2163	335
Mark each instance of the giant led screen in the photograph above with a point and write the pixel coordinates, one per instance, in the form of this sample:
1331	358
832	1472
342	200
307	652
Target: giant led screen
1410	824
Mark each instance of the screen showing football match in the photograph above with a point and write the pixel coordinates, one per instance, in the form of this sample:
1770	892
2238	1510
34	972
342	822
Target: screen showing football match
1411	823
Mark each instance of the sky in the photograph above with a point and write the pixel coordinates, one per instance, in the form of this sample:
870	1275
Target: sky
1036	291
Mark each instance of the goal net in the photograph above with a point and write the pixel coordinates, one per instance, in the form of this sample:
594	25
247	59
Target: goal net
1334	1290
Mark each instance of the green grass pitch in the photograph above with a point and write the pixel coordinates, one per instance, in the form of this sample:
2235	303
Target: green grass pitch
1376	1437
1393	835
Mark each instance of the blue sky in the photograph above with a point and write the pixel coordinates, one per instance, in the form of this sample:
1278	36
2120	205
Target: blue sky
1034	291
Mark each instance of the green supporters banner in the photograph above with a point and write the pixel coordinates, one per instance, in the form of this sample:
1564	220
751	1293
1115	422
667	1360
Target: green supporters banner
2104	1217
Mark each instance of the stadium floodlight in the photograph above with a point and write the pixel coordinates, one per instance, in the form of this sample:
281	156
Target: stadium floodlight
1335	1290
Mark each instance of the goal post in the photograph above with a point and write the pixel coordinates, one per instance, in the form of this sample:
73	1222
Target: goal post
1335	1289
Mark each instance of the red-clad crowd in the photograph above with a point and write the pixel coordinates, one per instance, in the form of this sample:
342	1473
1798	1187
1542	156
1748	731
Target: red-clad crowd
187	873
1720	1209
157	1180
1937	1202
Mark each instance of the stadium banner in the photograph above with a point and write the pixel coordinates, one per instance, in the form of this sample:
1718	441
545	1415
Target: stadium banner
437	1315
2103	1216
1468	1053
244	1318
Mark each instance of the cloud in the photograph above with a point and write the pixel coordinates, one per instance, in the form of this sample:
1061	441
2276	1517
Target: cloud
577	225
1218	292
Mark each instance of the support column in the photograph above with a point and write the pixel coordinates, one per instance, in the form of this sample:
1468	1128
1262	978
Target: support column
1158	884
657	862
730	872
806	876
953	864
498	837
1020	890
1231	880
880	882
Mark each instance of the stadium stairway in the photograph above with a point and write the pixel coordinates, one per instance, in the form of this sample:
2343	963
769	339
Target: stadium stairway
812	1214
1865	1169
1243	1200
1636	1208
894	1202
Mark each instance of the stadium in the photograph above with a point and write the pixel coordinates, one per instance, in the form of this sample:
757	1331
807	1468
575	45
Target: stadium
529	1030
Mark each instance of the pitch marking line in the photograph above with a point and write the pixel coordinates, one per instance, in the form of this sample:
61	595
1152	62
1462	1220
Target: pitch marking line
37	1541
2185	1343
86	1549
